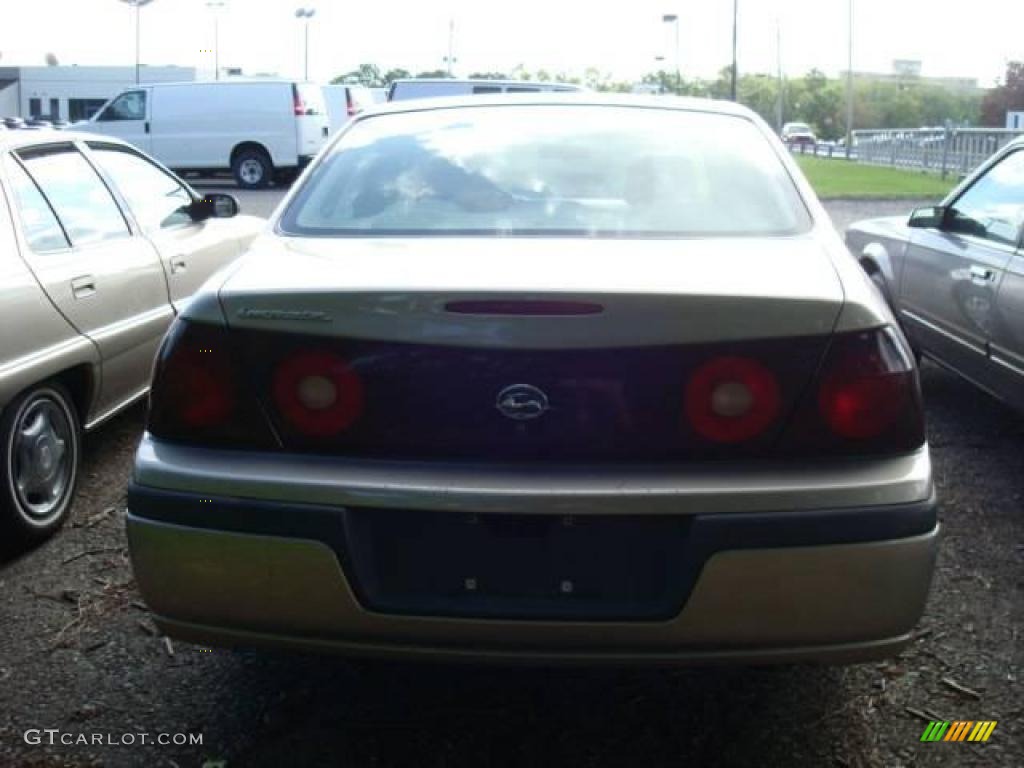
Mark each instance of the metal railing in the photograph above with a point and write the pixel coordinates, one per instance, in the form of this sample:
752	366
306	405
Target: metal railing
956	151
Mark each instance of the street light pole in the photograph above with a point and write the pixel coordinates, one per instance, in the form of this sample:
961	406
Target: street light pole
735	27
137	4
305	14
672	18
215	6
849	83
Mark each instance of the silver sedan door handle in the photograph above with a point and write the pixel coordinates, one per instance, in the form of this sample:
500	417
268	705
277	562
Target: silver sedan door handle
83	287
981	274
178	264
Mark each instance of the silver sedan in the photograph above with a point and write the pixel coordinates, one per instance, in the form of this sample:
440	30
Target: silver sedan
954	275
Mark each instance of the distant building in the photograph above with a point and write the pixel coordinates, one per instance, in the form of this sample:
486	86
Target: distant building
906	67
909	70
1015	121
71	92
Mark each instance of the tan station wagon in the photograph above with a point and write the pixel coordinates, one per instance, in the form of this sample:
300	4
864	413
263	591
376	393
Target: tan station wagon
100	247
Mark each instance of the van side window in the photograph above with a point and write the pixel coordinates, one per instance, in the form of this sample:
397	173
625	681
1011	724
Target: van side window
82	202
521	89
127	106
487	89
38	222
157	200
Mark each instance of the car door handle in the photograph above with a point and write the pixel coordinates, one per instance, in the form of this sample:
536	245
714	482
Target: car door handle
83	287
981	274
178	264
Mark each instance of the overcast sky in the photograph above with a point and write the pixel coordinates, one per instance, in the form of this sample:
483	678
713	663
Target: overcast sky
622	37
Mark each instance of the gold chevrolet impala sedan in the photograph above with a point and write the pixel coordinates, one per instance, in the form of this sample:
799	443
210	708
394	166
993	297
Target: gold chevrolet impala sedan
100	248
551	378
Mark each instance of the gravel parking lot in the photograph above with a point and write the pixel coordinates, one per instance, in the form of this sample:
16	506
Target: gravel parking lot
79	653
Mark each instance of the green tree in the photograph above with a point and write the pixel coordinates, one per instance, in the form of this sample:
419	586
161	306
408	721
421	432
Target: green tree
489	76
1007	97
433	74
396	74
364	74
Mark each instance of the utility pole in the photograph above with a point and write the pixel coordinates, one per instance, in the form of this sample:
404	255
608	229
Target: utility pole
450	58
735	27
672	18
778	63
849	83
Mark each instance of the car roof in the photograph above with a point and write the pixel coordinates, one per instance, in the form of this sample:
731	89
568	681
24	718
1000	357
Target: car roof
19	139
487	81
573	98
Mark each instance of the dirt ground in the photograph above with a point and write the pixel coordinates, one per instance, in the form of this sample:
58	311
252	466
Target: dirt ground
79	653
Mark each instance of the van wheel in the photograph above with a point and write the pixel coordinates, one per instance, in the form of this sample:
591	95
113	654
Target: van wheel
252	169
40	446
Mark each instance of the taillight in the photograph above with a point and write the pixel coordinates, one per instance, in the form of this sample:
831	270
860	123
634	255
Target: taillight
732	399
297	102
197	394
317	393
351	107
866	399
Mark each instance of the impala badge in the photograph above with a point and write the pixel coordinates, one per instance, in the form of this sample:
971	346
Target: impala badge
522	402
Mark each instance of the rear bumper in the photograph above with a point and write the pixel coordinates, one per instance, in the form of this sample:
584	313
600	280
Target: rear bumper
826	585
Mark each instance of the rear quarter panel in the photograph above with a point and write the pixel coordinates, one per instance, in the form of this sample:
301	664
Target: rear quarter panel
881	244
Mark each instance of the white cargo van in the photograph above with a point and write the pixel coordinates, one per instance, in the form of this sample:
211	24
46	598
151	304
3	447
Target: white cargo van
260	130
426	88
345	102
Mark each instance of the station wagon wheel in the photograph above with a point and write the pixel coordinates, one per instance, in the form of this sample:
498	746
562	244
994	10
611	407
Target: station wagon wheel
40	450
252	169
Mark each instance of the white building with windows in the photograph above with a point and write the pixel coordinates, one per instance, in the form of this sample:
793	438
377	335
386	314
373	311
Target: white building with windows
71	92
1015	121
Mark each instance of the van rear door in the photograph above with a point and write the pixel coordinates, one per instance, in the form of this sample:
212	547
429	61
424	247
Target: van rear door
311	122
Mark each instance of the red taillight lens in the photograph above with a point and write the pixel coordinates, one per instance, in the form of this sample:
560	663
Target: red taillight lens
297	102
317	393
197	394
732	399
867	398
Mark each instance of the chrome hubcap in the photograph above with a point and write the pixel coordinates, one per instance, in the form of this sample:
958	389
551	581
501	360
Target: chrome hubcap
251	171
42	467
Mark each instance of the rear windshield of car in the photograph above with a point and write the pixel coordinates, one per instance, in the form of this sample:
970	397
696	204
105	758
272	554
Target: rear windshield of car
581	170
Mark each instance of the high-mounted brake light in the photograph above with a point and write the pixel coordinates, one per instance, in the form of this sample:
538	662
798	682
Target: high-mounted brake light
732	399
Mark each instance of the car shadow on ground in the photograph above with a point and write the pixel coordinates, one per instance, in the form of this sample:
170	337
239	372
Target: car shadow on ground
387	714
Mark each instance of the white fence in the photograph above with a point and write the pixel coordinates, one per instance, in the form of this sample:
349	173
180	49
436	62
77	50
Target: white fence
956	151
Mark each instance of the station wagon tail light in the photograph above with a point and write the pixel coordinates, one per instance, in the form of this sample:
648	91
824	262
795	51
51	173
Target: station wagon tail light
867	398
732	399
317	393
198	394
